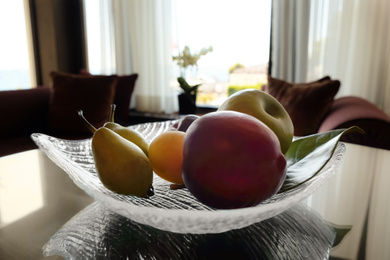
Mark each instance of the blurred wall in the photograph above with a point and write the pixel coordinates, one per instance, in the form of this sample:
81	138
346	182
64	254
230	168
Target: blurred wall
58	33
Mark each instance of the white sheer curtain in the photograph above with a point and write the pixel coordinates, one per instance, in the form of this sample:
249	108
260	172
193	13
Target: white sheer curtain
137	35
144	38
290	26
348	40
100	36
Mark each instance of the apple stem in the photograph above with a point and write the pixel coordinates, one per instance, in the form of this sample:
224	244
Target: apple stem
112	112
88	124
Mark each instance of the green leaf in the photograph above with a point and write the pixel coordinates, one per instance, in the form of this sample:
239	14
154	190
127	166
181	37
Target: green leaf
184	85
308	155
341	232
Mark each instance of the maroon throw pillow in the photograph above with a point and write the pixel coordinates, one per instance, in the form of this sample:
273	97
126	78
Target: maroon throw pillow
123	92
69	93
306	103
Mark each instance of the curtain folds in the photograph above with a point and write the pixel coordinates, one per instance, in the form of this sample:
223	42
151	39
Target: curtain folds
135	36
348	40
290	27
143	36
354	47
123	56
98	15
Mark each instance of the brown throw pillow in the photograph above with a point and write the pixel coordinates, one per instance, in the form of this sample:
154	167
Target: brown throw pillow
94	95
123	92
306	103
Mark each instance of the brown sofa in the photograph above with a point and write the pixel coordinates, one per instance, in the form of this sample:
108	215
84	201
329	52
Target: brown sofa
355	111
313	108
53	109
27	111
23	112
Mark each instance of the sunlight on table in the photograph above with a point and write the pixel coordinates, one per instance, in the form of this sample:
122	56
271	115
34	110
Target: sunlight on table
24	173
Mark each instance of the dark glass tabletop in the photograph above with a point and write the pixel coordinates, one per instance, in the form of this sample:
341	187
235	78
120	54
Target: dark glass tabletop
43	214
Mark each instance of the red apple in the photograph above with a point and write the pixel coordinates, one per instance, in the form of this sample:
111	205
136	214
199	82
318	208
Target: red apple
232	160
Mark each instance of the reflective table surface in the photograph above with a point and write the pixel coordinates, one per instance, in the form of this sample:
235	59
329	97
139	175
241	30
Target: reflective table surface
44	215
36	199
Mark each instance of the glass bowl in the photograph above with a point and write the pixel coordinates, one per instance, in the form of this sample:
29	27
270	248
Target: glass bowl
172	210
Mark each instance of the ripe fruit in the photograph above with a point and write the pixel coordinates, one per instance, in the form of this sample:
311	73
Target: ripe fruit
121	165
185	122
127	133
265	108
166	156
232	160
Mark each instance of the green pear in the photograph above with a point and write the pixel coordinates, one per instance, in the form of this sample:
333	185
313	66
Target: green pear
121	165
127	133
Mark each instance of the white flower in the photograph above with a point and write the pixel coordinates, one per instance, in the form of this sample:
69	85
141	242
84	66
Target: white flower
186	59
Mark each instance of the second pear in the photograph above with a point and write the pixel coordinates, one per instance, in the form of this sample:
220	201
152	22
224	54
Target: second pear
127	133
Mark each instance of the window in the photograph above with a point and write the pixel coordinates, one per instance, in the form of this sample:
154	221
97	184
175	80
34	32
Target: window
16	62
238	31
99	34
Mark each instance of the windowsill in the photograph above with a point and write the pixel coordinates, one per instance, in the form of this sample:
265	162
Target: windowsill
165	116
137	117
204	109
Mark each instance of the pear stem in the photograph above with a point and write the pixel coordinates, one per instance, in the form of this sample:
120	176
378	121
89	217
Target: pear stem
88	124
112	112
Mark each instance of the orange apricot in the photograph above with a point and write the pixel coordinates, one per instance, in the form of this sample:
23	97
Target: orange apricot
166	156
